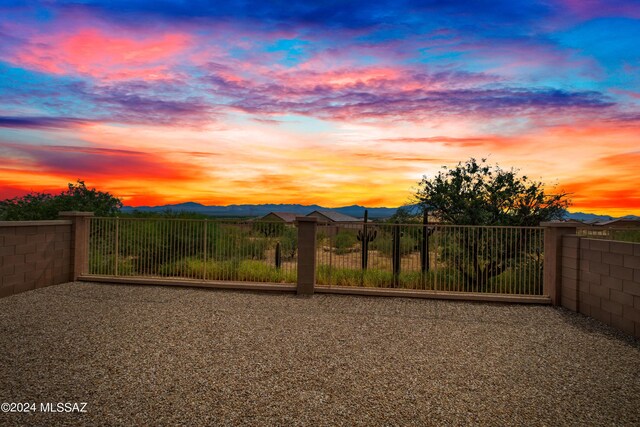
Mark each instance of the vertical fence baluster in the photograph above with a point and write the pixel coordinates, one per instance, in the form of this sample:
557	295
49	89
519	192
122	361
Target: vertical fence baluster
204	249
117	245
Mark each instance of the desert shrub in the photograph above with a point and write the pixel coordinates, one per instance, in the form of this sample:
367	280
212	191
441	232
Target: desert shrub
289	242
525	277
344	241
321	235
384	244
101	264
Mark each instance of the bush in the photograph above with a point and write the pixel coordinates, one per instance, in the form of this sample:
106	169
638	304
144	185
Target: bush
344	242
289	242
384	244
100	264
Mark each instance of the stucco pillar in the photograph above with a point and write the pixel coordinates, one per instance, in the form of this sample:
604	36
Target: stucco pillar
553	235
306	254
79	242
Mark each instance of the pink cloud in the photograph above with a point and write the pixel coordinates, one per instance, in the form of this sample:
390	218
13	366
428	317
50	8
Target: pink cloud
629	93
103	56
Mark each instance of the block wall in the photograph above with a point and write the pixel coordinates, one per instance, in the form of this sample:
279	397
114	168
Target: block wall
34	254
601	279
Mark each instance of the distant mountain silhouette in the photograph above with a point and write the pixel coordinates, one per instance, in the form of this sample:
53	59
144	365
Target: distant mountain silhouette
589	217
353	210
261	210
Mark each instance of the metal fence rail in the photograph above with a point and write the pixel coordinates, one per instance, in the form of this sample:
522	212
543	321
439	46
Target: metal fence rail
193	249
506	260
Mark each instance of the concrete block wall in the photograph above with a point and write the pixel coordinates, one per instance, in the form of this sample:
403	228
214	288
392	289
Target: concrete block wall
34	254
601	279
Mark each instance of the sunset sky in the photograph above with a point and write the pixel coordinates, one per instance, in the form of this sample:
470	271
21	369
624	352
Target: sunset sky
326	102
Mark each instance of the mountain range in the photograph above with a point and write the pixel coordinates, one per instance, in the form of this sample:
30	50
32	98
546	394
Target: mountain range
353	210
261	210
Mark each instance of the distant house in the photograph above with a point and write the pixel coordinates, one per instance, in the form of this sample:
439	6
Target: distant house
331	217
286	217
619	223
574	221
330	223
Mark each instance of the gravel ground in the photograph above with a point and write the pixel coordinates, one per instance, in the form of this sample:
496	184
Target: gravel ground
182	356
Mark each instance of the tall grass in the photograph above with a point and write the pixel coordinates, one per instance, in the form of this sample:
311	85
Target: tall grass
445	279
378	278
232	270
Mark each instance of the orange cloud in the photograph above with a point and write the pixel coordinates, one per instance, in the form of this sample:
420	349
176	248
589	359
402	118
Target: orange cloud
137	176
608	184
354	163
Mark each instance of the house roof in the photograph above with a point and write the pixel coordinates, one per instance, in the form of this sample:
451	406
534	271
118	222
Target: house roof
628	221
574	221
591	222
285	216
335	216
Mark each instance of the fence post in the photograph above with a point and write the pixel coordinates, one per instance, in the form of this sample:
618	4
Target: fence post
553	234
79	242
306	254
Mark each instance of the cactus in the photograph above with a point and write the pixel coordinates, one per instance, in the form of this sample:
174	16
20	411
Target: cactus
424	247
278	256
365	237
370	235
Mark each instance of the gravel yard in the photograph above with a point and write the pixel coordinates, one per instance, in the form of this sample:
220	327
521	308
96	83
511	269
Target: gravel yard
182	356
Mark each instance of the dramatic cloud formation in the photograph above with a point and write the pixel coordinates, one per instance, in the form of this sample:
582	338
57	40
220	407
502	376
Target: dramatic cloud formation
335	102
101	56
38	122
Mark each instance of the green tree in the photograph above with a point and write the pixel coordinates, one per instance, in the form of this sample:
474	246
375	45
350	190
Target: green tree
408	214
476	193
43	206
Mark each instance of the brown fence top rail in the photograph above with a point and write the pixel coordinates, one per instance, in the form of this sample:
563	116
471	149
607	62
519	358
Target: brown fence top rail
32	223
342	225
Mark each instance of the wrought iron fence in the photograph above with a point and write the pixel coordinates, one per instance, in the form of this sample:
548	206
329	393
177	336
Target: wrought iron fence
432	257
193	249
505	260
611	233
